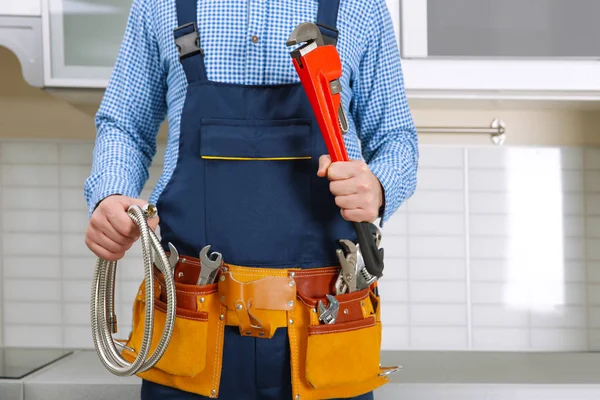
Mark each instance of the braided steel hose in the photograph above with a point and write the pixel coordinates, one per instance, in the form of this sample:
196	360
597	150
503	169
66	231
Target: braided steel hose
103	317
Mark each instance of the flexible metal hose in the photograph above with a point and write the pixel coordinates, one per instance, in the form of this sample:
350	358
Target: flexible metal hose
103	317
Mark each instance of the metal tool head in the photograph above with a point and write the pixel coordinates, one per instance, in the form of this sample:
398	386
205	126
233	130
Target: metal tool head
350	248
363	278
348	258
209	266
376	234
306	32
214	259
328	314
173	256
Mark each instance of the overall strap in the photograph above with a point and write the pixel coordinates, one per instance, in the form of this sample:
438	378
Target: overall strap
187	40
327	20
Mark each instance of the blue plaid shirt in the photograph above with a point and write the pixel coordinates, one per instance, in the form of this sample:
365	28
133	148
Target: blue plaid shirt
148	84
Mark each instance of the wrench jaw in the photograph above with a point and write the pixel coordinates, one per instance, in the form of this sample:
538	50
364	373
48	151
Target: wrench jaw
328	315
173	256
347	257
307	33
363	278
209	266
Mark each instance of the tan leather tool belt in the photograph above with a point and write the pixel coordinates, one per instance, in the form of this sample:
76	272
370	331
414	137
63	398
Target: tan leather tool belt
259	301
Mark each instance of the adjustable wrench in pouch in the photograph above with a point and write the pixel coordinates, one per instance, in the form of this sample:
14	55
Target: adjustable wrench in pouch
320	68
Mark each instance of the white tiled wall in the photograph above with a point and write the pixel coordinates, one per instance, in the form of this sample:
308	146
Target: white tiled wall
499	249
502	252
46	267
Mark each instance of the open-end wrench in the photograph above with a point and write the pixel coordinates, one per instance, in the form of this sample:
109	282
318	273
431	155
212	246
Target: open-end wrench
346	281
320	68
173	256
209	266
328	314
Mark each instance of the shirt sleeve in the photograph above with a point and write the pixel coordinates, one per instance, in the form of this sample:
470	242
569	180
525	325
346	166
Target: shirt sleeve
384	122
130	114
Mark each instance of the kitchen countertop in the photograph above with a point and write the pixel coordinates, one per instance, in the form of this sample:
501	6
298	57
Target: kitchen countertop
425	376
475	367
80	376
17	362
11	389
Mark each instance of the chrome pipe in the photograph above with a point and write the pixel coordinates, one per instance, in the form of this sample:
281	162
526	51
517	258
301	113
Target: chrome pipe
102	309
497	130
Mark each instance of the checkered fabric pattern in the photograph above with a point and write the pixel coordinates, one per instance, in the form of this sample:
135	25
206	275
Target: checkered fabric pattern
148	84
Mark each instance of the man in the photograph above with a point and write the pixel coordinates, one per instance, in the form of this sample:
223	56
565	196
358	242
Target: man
245	168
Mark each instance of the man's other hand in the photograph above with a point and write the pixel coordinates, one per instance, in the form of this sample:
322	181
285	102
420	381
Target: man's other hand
111	231
357	191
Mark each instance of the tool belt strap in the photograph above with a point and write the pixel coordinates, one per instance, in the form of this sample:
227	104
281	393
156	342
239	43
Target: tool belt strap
257	300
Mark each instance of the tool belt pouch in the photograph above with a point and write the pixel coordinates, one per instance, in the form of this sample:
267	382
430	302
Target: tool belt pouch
192	360
338	360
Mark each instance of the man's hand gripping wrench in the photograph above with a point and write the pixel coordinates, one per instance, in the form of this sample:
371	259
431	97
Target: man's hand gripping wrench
320	68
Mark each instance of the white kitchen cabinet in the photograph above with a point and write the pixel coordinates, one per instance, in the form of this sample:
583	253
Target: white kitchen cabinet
21	33
82	39
497	48
24	8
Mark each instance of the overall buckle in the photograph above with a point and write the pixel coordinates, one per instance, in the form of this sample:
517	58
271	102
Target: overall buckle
187	40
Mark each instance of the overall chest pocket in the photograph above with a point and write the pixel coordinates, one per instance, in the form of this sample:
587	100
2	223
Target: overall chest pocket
257	189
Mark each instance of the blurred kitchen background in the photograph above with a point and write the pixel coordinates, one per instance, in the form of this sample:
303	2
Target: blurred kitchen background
492	279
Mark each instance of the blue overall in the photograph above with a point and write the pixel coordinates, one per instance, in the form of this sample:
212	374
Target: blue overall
246	183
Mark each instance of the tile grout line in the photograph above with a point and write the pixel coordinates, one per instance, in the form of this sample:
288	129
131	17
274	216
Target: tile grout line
60	250
2	280
408	279
585	256
467	237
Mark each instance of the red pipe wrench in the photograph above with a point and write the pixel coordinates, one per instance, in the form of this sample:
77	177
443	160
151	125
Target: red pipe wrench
320	68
